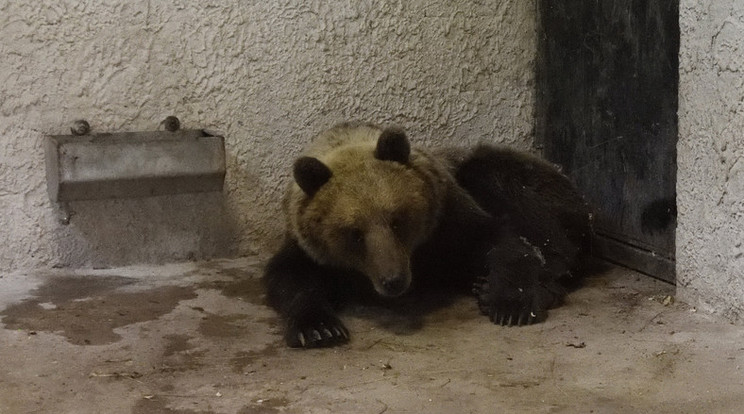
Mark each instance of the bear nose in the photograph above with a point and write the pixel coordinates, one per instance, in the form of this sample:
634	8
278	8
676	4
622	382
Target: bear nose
395	286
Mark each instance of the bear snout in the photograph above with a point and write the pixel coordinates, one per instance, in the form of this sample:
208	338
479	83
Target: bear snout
394	286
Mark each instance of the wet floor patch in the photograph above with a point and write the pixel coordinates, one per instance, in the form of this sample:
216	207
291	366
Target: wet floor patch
87	309
220	326
176	343
243	287
180	355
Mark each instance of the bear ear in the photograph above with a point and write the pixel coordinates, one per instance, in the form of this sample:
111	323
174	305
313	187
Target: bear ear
310	174
393	146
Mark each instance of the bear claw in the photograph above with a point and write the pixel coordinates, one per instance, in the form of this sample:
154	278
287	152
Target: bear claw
317	335
507	304
506	318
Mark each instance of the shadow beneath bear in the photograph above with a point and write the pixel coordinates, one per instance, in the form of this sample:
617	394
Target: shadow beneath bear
409	314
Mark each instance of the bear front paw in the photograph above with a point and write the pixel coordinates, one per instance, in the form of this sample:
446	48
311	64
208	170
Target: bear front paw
516	313
507	306
315	331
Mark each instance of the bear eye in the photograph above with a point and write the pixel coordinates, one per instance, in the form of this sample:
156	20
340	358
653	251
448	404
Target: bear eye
354	236
398	224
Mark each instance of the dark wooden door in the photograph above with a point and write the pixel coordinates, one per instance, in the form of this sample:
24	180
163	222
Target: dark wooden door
607	85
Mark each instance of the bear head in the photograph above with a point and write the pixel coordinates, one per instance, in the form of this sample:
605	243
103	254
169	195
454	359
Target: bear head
365	202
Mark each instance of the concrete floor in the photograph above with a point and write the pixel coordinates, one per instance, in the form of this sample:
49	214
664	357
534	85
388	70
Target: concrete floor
196	338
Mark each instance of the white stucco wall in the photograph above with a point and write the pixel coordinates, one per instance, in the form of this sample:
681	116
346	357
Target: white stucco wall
710	189
270	74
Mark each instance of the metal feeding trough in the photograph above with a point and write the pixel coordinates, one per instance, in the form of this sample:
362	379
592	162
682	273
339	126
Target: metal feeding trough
86	166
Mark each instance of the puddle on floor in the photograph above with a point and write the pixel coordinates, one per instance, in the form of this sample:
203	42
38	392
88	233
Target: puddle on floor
247	288
176	343
220	326
87	309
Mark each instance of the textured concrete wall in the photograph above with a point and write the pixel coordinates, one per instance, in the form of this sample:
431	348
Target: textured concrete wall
270	74
710	189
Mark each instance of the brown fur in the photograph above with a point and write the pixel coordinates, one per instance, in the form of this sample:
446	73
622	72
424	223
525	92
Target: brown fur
371	196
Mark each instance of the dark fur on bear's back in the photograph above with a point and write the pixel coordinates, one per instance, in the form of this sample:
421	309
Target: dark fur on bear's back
532	197
543	246
503	224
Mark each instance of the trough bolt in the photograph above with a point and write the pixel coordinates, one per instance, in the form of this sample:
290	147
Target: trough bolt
171	123
80	127
65	213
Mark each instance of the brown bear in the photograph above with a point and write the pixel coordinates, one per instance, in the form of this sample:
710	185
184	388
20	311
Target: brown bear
369	216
